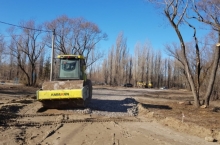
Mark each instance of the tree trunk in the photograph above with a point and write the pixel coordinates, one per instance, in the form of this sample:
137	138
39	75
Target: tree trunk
186	66
213	73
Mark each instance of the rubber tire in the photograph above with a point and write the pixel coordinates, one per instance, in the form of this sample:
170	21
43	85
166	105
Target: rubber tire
89	84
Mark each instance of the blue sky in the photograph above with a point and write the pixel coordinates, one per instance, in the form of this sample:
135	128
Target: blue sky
137	19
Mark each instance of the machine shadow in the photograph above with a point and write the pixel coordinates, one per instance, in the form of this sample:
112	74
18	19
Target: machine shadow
112	105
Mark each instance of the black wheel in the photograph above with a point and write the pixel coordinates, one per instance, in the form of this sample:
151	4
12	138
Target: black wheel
88	83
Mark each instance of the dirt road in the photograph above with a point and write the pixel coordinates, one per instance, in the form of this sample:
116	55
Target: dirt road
114	117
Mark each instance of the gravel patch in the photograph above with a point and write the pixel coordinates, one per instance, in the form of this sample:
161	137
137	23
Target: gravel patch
83	111
108	103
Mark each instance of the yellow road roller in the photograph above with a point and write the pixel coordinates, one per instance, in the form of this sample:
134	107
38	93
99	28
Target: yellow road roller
71	88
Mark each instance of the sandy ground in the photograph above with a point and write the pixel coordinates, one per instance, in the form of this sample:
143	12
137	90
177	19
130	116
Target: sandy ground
162	119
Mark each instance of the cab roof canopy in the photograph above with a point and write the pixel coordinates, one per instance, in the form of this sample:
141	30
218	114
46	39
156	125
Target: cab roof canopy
71	56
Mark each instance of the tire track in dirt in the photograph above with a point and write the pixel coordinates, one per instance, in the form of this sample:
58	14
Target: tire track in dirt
66	139
52	132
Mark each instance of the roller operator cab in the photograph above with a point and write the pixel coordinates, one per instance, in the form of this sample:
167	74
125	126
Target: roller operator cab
72	67
71	89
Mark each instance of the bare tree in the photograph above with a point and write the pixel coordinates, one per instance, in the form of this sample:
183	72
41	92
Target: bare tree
110	65
75	36
120	60
2	47
41	65
46	69
208	12
2	50
26	48
135	64
105	71
175	11
141	62
130	67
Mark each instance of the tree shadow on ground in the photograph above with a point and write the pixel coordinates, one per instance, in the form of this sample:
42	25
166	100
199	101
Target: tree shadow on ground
8	112
22	101
182	97
152	106
17	92
108	94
